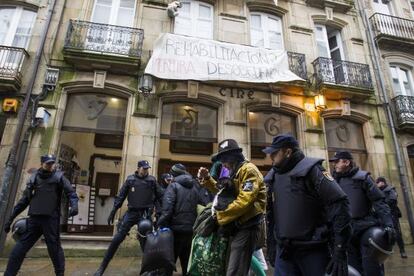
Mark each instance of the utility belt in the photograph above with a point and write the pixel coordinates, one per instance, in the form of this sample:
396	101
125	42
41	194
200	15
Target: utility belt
146	212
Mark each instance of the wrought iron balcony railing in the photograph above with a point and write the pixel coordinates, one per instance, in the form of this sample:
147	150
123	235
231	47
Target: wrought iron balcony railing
104	38
343	73
404	109
297	64
392	26
11	61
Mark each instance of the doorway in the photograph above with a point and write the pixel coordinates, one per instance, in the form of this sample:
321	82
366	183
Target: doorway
90	152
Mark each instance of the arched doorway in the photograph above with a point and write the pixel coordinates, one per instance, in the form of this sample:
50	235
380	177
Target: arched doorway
188	135
90	152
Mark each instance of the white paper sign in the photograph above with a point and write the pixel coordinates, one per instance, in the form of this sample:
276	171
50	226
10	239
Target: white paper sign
188	58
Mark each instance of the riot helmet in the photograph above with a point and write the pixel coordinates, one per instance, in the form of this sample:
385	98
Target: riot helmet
380	248
144	227
19	228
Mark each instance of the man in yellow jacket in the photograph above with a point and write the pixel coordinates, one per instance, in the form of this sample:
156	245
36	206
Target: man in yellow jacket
246	211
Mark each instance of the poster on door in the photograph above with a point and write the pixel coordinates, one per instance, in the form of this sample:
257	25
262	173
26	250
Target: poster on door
189	58
83	192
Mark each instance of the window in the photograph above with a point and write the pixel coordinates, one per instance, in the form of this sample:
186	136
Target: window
95	113
329	42
346	135
266	31
382	6
189	128
195	19
266	125
402	82
114	12
16	25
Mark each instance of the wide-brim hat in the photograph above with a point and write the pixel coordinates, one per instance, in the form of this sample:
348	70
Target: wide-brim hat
225	147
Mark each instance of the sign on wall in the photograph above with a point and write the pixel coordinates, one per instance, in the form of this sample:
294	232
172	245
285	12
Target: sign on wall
182	58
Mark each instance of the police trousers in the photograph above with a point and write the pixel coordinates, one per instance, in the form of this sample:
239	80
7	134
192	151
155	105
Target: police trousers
49	226
130	219
302	261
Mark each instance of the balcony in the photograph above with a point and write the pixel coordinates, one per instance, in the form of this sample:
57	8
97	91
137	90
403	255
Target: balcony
393	32
91	46
342	6
11	64
343	78
297	64
404	111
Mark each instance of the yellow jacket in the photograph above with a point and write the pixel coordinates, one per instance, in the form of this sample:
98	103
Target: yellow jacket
251	195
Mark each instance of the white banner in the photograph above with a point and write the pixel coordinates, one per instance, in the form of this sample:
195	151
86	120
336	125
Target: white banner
188	58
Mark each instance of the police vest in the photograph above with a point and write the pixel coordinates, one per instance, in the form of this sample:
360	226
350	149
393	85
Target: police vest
297	209
46	194
141	192
360	204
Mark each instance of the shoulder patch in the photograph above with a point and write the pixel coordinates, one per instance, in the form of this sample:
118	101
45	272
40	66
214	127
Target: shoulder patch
248	186
328	175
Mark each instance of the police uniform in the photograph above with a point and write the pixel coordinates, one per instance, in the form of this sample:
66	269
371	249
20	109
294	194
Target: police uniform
391	198
42	194
142	194
309	210
246	210
368	208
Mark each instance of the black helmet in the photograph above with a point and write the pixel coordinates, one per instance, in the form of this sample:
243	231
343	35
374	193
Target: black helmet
375	238
144	227
19	228
351	272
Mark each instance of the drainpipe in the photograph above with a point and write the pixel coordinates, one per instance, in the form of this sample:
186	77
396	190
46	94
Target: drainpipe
386	104
7	192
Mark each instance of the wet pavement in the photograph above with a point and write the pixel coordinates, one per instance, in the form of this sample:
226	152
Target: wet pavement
131	266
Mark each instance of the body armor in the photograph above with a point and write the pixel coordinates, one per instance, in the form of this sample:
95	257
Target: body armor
45	199
141	192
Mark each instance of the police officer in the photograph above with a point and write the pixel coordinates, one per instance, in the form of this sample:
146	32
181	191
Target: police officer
309	210
247	210
143	192
391	199
368	208
42	194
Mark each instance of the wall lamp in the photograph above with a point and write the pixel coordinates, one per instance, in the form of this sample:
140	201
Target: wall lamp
320	102
145	84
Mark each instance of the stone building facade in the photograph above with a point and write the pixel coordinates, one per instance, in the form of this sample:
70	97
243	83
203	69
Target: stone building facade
101	124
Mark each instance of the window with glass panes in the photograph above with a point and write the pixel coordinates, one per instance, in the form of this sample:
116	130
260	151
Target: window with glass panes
266	31
16	25
347	135
194	19
402	82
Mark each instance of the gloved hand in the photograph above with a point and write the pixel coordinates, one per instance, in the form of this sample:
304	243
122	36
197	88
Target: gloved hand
390	234
7	225
203	173
111	217
73	211
338	265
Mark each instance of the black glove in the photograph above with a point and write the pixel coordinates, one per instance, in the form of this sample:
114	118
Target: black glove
338	265
7	225
390	234
73	211
111	217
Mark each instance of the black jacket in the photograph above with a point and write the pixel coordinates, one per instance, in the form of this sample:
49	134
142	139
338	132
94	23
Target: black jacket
65	187
179	204
391	199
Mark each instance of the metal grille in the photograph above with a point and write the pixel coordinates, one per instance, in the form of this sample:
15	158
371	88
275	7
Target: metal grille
104	38
11	61
343	72
297	64
392	25
404	109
